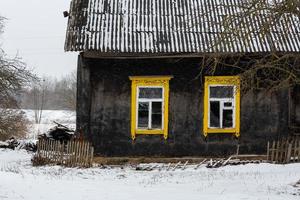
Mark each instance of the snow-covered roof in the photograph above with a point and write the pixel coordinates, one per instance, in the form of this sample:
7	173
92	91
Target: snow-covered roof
175	26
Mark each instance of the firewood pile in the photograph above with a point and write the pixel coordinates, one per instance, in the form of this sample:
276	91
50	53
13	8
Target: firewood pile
18	144
59	132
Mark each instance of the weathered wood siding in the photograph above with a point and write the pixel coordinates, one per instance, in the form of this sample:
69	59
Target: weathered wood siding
104	91
295	109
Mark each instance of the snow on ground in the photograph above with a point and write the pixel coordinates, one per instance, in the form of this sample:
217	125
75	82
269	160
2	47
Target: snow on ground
64	117
19	180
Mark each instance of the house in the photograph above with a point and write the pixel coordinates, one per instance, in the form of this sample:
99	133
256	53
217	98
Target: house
142	88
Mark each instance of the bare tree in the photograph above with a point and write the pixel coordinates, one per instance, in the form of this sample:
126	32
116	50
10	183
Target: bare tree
67	90
51	94
13	76
244	22
39	92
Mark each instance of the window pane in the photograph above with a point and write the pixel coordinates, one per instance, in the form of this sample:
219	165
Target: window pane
227	119
215	114
157	115
221	91
143	116
150	93
228	104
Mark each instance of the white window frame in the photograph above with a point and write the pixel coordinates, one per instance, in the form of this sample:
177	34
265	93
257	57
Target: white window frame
222	107
150	101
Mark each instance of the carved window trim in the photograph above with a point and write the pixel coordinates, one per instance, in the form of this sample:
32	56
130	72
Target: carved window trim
149	81
222	81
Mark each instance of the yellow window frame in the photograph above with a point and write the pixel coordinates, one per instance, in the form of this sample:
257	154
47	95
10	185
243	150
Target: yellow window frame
149	81
222	80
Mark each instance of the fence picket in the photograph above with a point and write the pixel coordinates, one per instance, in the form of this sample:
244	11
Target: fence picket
273	151
268	151
285	150
70	154
277	151
289	153
297	150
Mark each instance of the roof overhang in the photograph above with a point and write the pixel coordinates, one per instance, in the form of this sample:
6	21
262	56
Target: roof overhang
113	55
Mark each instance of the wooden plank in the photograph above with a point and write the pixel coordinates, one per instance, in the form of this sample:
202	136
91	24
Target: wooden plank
86	160
82	153
41	148
298	151
268	151
61	159
79	154
76	152
289	152
273	151
73	153
37	149
52	151
67	154
294	149
283	150
85	154
53	146
92	156
57	151
277	151
47	149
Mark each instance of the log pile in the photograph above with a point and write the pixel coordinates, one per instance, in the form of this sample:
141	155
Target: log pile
59	132
18	144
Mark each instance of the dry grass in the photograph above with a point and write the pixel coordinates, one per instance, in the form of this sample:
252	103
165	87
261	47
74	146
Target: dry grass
13	123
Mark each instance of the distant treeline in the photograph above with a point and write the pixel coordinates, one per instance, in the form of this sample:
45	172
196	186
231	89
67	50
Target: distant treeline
50	94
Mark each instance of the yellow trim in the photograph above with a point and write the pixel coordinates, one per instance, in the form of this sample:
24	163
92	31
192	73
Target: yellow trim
222	80
150	132
139	81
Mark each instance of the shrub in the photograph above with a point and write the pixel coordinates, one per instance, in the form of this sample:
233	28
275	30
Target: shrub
13	123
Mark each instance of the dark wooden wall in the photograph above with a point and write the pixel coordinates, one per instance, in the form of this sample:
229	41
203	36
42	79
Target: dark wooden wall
103	111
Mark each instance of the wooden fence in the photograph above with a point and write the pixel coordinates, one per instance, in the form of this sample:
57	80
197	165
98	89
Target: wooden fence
74	153
286	150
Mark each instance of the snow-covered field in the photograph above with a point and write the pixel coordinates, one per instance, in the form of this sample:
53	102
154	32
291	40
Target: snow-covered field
64	117
19	180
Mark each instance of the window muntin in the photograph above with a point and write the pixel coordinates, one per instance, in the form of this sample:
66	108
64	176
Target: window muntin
221	105
221	109
149	105
150	92
220	91
150	108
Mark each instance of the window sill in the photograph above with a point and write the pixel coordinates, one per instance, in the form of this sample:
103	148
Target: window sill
229	130
150	132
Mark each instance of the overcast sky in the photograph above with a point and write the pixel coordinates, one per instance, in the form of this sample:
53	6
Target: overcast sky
35	29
